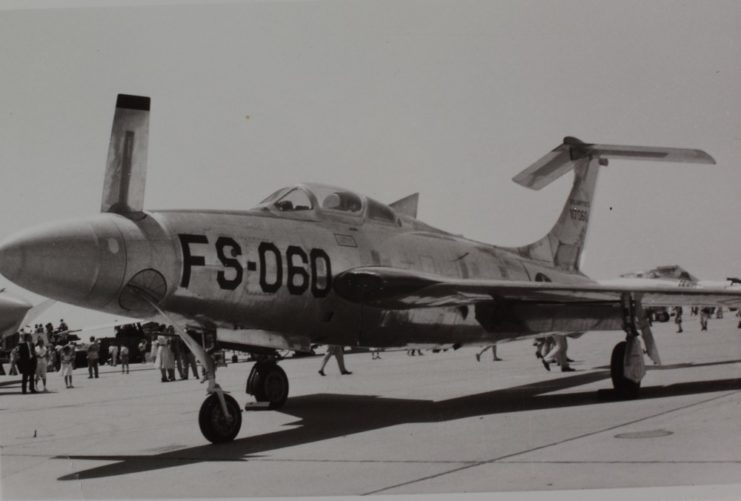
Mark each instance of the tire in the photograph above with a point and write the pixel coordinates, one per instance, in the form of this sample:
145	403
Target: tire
268	383
624	387
214	425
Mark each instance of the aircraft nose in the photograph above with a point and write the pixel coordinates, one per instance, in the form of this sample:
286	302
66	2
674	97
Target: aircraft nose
75	261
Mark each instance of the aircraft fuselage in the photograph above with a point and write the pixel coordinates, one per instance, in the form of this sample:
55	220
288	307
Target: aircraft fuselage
265	278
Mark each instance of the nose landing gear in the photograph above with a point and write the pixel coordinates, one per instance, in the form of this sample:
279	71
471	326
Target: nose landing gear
215	425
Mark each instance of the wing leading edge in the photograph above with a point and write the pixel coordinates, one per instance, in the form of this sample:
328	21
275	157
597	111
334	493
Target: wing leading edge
392	288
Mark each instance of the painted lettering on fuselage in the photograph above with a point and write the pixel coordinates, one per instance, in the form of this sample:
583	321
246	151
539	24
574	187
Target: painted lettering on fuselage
304	271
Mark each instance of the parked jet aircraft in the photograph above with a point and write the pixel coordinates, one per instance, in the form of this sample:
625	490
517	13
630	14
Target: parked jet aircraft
668	274
14	312
317	264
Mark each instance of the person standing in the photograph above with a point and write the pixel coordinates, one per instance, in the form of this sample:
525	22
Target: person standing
705	313
143	349
13	362
93	354
558	354
27	363
42	354
177	352
678	318
68	363
124	359
113	352
339	353
186	359
165	360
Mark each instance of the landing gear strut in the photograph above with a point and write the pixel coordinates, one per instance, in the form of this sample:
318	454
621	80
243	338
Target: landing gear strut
626	363
220	416
267	382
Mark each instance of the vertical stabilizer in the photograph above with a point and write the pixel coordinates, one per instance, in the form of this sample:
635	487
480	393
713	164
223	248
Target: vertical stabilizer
126	169
563	245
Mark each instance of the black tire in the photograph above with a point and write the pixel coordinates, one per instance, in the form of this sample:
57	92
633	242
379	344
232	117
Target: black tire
250	389
624	387
214	425
268	383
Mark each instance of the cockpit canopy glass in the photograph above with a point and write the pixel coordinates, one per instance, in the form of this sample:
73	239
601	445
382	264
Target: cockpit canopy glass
335	199
295	200
380	212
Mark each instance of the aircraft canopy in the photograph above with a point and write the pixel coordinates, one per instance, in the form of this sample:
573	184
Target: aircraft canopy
326	199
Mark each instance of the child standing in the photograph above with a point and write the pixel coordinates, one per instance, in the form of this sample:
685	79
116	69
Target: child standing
68	363
124	359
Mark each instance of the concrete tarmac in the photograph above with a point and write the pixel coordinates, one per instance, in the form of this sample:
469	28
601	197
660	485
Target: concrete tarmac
437	423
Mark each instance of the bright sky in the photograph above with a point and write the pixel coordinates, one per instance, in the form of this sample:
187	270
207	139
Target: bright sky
450	99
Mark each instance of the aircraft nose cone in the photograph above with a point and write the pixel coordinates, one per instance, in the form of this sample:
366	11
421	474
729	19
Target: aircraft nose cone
65	261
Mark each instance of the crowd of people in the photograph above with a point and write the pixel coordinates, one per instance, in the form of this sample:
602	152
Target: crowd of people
44	349
705	313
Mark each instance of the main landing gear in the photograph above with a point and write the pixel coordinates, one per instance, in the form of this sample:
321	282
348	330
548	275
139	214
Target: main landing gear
627	367
268	383
624	387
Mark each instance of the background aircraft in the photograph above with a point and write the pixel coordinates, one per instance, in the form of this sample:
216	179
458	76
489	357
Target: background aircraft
317	264
15	312
12	313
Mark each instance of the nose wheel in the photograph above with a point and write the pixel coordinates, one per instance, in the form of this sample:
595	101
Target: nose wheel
268	383
215	426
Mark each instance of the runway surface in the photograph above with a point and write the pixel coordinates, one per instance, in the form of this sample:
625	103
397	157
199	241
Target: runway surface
438	423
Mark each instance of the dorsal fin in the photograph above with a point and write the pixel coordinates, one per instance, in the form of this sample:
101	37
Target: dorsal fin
406	206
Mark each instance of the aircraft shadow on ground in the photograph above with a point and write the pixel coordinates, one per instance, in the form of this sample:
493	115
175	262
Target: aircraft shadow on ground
326	416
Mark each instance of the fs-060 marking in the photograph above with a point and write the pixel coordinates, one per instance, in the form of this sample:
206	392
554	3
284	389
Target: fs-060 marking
302	271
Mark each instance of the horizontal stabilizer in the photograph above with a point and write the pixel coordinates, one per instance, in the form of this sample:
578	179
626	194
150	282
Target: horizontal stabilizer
126	169
561	159
406	206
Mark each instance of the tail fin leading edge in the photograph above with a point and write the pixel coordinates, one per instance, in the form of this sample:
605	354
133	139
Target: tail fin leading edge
126	169
563	245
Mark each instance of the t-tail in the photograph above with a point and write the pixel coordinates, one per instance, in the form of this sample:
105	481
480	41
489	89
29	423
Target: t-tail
563	245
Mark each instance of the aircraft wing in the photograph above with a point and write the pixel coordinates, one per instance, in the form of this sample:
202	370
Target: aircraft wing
393	288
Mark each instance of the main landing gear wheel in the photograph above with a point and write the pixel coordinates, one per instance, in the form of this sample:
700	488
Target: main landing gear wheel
268	383
215	426
624	387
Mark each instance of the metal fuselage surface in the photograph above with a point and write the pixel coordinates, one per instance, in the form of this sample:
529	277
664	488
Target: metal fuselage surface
264	277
